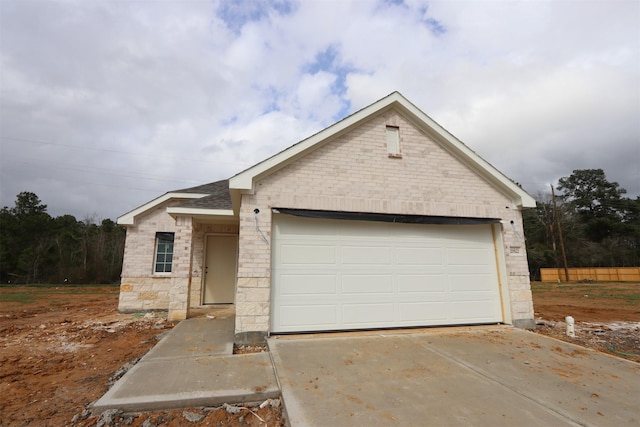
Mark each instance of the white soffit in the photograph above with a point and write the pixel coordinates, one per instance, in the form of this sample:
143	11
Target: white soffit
177	210
210	216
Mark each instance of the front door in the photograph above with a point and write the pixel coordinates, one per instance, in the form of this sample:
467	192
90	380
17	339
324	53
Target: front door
220	269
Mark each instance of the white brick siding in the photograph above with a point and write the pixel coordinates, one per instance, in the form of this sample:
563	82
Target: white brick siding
141	289
354	173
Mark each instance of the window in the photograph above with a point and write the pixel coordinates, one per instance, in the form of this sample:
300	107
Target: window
393	141
164	252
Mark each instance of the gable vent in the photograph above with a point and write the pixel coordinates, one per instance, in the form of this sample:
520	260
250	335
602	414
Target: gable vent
393	141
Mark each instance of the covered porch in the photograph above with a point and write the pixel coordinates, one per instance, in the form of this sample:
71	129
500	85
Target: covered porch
205	260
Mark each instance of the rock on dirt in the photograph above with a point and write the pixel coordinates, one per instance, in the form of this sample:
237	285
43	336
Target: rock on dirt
192	417
63	347
621	339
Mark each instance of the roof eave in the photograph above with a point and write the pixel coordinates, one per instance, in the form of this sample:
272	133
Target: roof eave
244	181
130	217
204	215
519	197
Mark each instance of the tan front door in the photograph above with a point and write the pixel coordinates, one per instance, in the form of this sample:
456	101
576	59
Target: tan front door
220	269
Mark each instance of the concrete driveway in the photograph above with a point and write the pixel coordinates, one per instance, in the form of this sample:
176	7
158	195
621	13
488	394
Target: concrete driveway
462	376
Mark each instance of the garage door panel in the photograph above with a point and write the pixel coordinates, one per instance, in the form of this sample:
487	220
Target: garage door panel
424	297
471	269
302	284
354	274
473	311
471	282
436	311
315	317
296	227
468	257
367	284
364	315
472	296
420	256
465	236
359	229
409	233
365	255
421	283
462	272
301	254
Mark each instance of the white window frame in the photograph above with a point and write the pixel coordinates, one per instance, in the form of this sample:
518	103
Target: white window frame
161	238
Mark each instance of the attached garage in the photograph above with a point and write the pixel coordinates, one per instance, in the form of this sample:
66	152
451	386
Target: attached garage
343	274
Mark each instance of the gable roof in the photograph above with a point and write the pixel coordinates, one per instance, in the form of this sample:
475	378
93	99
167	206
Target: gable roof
245	180
218	187
220	200
217	197
208	199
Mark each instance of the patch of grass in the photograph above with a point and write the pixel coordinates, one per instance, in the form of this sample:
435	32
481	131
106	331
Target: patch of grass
61	285
29	294
78	292
540	286
572	286
611	293
630	297
21	297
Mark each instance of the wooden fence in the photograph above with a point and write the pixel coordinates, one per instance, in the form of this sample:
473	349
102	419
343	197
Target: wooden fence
599	274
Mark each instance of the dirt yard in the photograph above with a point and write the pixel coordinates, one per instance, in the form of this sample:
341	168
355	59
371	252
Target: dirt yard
62	347
607	315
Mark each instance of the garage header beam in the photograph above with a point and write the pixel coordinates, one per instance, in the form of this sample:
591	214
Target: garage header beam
379	217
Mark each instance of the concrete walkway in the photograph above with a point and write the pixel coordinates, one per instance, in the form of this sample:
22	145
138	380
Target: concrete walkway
448	377
481	376
193	365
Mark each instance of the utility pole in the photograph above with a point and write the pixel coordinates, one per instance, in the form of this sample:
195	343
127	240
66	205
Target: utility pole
564	255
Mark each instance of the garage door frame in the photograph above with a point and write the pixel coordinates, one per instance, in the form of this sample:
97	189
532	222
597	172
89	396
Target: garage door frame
498	256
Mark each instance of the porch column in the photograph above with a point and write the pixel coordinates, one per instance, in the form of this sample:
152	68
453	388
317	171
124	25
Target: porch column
181	268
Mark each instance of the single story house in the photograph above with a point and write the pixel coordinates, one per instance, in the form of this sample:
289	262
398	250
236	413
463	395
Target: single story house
382	220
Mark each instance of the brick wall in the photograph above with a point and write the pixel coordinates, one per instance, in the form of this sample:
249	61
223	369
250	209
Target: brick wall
354	173
141	289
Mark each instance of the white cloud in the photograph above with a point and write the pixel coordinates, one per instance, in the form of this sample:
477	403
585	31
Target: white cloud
105	105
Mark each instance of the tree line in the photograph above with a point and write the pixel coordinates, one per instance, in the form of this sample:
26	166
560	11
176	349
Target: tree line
37	248
590	218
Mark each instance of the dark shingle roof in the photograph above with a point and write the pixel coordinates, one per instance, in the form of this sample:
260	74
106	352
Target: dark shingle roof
217	196
205	188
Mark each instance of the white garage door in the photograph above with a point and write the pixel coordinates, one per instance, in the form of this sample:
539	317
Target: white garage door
342	274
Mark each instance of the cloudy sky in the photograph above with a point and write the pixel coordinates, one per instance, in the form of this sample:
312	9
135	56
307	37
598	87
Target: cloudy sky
106	105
